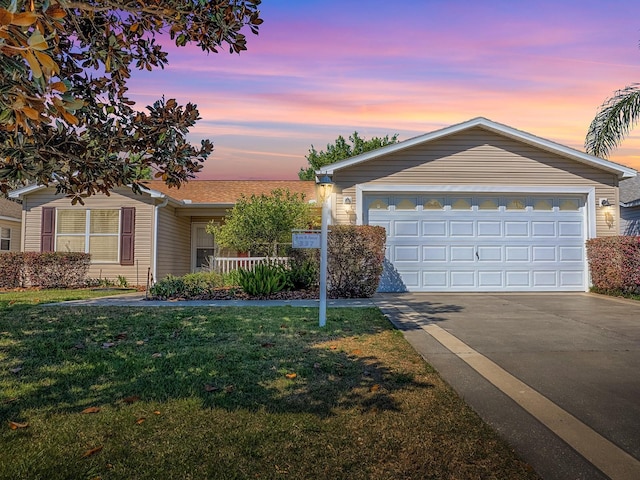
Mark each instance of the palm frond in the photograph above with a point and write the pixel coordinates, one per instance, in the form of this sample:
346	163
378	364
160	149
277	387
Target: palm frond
613	121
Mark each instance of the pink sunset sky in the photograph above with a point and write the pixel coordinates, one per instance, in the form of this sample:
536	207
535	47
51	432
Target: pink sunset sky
323	68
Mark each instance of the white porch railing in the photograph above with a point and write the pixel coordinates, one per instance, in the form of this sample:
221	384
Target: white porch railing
228	264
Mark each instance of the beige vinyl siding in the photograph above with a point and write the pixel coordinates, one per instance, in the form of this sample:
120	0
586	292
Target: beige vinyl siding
477	157
174	243
135	274
14	244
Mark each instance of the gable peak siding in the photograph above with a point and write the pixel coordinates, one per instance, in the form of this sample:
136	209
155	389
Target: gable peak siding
482	158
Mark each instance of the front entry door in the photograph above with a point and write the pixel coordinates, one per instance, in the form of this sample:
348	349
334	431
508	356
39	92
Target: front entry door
202	247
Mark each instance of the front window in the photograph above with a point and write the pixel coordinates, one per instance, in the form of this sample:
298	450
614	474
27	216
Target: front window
89	231
5	239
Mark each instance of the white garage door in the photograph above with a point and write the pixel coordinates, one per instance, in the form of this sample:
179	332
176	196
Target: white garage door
481	243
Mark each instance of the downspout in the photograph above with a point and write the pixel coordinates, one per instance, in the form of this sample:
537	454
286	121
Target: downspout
155	237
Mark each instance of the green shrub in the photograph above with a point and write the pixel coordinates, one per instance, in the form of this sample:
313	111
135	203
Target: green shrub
264	280
169	287
304	269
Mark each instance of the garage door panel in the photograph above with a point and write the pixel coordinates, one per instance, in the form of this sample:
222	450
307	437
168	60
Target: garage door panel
434	228
572	278
406	253
489	254
516	254
544	254
461	229
516	229
570	229
406	228
411	278
489	229
435	253
542	278
543	229
462	278
490	278
517	278
435	278
571	254
462	254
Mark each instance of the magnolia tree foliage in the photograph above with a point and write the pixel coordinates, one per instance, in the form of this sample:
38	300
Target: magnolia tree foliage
261	222
64	66
341	150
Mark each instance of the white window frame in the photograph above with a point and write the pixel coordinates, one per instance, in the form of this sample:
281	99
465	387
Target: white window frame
5	238
87	232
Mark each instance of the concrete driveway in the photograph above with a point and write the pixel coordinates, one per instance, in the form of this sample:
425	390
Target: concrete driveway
558	375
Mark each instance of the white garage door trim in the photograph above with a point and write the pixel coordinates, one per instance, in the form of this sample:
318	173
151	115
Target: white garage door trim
587	219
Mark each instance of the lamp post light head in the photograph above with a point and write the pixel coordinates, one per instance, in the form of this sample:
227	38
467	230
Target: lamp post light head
325	187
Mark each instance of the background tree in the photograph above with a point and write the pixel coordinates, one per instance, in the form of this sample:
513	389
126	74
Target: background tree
262	222
615	118
64	66
341	150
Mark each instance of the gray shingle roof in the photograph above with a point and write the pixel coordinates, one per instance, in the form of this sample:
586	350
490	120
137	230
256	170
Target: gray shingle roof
10	208
630	190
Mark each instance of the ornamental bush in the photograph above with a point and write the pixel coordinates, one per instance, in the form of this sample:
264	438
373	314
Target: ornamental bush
11	270
44	269
56	269
614	263
355	260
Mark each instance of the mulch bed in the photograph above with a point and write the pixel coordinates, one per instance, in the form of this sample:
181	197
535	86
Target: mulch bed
238	294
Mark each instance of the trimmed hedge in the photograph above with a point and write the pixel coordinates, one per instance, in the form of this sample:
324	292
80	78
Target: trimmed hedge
355	260
44	269
614	263
11	270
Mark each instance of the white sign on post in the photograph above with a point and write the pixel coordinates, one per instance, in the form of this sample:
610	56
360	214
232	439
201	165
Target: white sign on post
306	240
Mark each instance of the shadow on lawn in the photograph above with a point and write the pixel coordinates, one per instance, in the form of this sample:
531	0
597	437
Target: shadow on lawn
232	365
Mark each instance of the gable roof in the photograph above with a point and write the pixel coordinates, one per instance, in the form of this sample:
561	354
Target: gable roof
500	129
210	192
229	191
630	192
9	209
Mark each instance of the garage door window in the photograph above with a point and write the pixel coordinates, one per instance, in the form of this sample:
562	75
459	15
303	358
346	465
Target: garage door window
379	204
516	204
545	204
488	204
460	204
434	204
570	204
406	204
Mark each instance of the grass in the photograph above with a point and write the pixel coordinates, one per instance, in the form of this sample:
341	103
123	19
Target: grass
33	297
230	393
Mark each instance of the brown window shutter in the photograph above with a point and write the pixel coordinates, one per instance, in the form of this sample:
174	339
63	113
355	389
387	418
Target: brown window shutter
48	229
127	235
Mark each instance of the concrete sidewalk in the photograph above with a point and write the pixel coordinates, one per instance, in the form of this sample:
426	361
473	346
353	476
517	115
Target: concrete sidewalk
138	300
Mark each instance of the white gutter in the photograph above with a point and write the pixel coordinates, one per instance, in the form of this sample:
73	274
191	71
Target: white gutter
155	237
10	219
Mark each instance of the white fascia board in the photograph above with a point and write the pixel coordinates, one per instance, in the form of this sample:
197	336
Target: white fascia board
10	219
620	170
20	192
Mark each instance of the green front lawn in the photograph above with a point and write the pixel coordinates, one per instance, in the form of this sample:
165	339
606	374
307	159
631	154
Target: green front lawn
229	393
32	297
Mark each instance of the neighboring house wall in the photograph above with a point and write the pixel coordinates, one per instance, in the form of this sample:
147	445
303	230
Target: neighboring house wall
476	157
630	220
12	228
174	243
136	273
